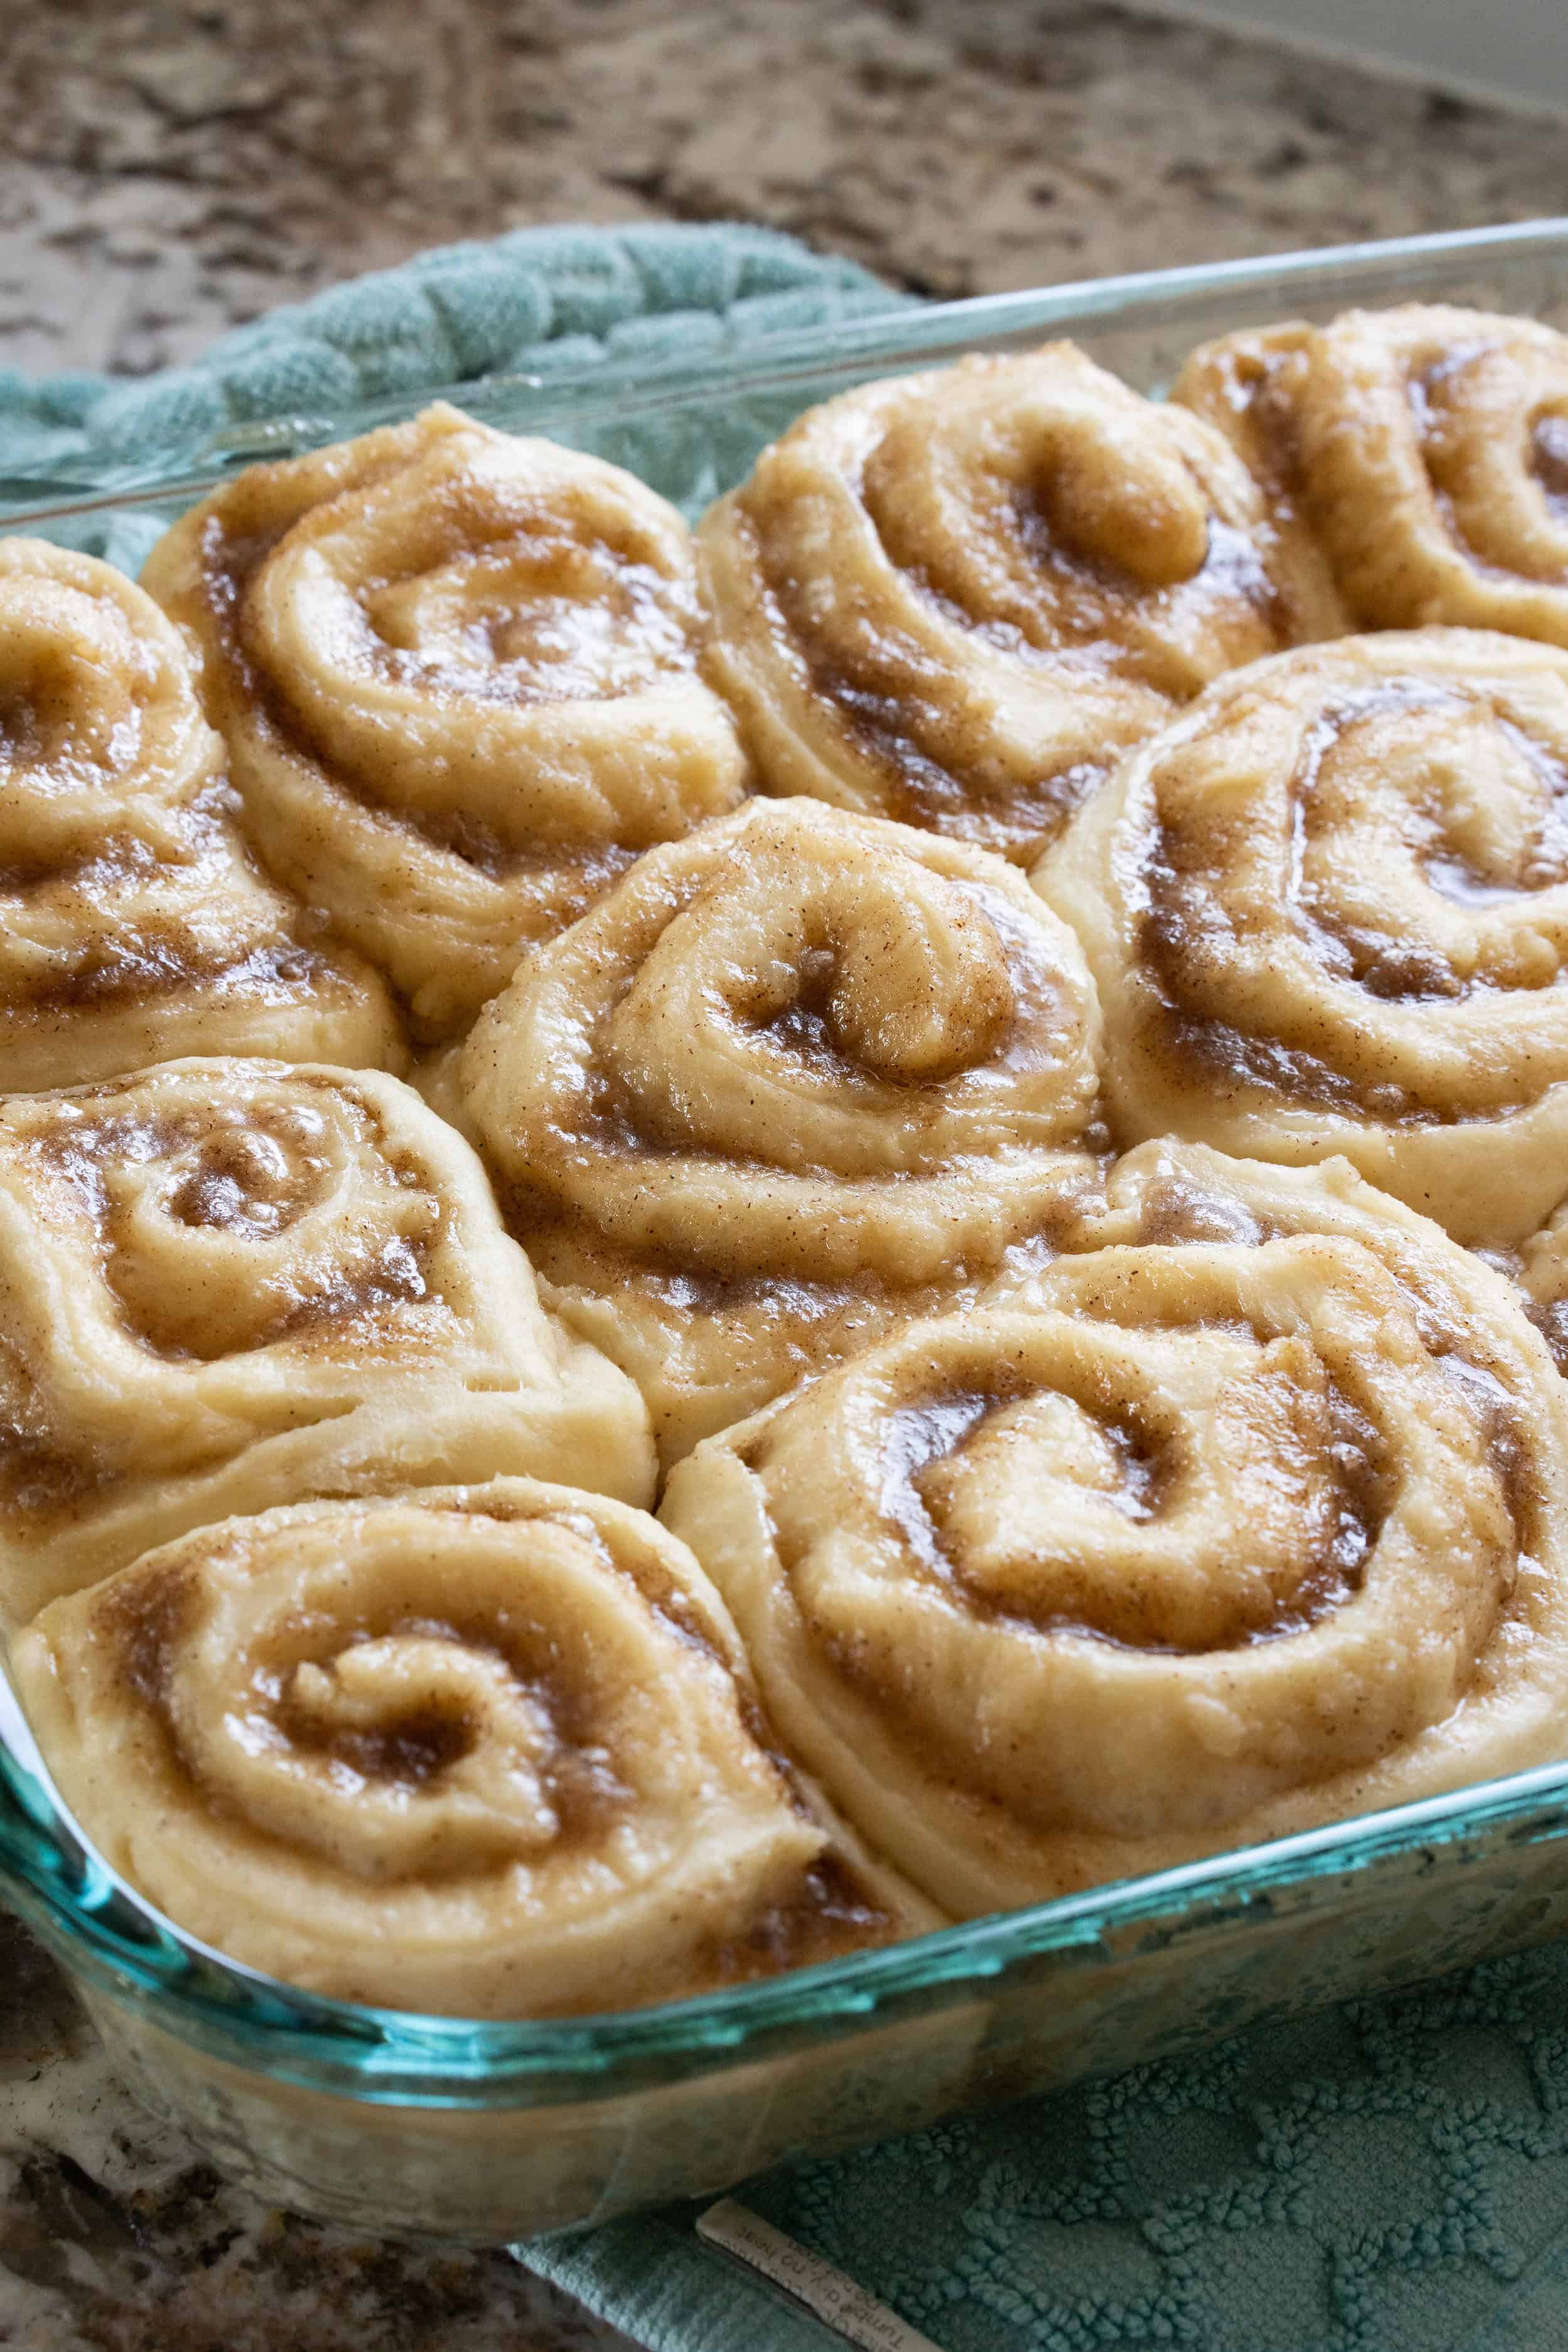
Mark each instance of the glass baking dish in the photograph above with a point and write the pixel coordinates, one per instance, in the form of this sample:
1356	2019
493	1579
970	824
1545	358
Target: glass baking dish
441	2129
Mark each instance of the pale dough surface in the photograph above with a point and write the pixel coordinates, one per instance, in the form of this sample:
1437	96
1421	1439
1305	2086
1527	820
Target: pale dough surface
230	1284
490	1751
1251	1516
456	670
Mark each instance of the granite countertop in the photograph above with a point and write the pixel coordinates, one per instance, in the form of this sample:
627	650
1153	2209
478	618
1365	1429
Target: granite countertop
168	170
115	2236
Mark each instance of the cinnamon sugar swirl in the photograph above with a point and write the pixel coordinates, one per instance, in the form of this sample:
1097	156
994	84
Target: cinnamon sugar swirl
1327	910
792	1081
226	1283
1418	455
1251	1516
490	1751
133	925
953	598
457	674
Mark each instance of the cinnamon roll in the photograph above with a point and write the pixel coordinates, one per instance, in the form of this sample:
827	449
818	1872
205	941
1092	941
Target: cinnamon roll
951	599
1252	1516
1327	910
457	674
1539	1266
1419	455
490	1751
790	1081
133	926
229	1284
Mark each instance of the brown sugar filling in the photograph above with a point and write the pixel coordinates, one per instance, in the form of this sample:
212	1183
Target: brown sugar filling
252	1181
634	627
1182	944
936	1431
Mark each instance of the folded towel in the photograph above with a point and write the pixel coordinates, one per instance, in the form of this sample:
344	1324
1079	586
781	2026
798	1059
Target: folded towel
1387	2177
536	301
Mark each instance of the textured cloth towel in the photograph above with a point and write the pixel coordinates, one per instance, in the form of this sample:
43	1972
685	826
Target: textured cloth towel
534	302
1388	2177
1391	2177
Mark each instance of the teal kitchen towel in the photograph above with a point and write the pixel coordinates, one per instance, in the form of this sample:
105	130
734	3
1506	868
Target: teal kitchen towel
1388	2177
1391	2177
536	301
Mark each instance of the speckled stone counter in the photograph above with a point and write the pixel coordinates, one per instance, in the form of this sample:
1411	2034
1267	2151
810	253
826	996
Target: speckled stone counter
115	2235
167	170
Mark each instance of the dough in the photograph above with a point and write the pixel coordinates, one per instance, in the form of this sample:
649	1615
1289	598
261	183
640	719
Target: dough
953	598
488	1751
1251	1518
456	671
1418	455
792	1081
1326	911
133	924
226	1285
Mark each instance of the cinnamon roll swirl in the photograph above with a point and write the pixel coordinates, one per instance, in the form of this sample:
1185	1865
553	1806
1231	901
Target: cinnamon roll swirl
790	1081
951	599
1250	1518
490	1751
133	926
229	1284
457	674
1419	455
1327	910
1539	1266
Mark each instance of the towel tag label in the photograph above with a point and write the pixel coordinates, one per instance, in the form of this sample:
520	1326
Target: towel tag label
827	2293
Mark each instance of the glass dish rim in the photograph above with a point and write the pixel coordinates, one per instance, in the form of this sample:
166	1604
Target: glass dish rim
630	389
400	2057
435	2060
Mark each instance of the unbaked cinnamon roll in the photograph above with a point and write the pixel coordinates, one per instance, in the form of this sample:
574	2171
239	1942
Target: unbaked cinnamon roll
133	926
1249	1519
1539	1266
230	1284
456	674
1419	455
488	1751
1327	910
792	1081
953	598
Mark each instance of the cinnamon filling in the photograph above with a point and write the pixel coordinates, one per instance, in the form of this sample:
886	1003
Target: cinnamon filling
1129	1468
